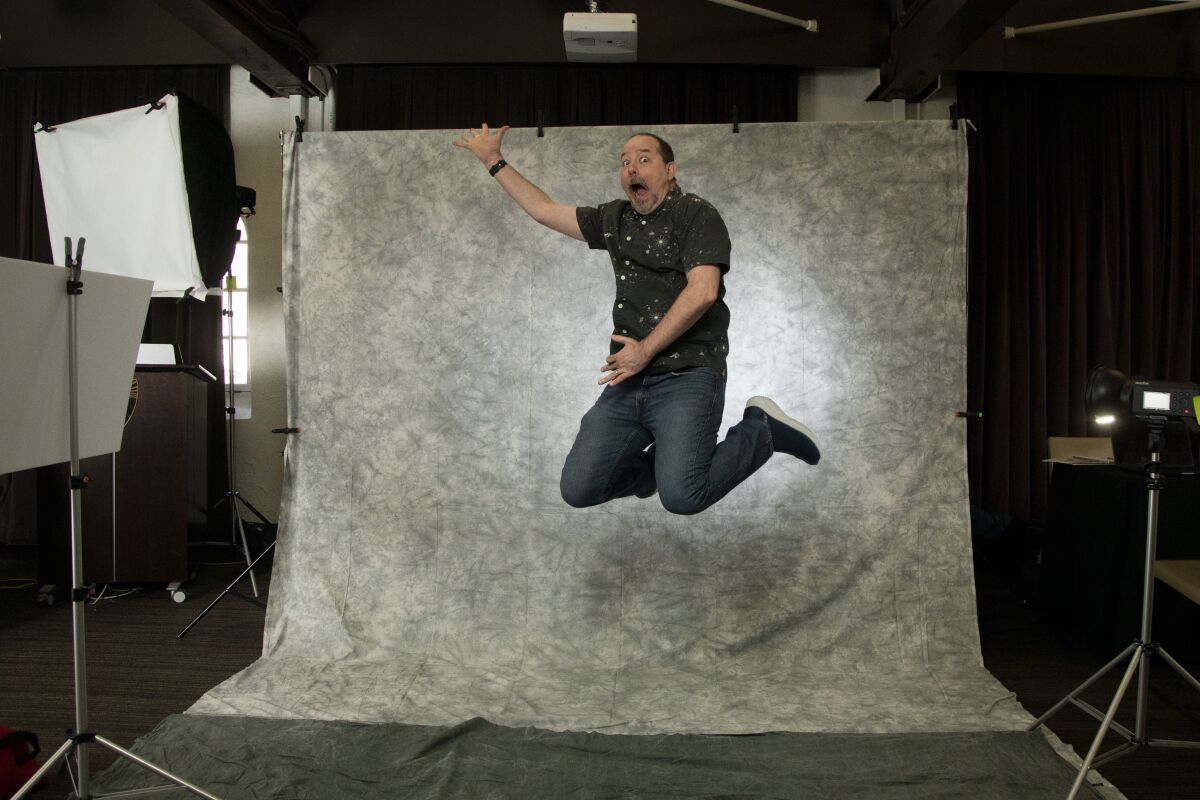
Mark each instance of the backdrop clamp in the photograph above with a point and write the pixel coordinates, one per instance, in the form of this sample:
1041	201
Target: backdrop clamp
75	267
954	118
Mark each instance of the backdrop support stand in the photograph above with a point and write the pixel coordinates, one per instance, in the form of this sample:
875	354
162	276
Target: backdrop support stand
81	736
1138	653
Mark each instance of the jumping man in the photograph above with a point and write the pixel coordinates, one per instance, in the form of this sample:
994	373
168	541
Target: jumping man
654	426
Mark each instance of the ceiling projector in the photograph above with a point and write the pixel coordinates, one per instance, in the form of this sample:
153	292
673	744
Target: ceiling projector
597	36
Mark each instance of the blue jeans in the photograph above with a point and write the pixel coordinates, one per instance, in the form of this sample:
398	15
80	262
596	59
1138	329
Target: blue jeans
680	413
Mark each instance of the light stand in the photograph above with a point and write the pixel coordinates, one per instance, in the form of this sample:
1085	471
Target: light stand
1138	653
232	496
79	738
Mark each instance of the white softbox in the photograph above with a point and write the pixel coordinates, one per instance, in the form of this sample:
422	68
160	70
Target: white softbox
117	180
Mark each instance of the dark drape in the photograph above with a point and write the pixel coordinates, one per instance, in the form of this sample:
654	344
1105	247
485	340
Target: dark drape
1084	226
60	95
394	97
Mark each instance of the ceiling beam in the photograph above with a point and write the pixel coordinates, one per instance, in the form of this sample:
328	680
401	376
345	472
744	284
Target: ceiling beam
928	39
276	58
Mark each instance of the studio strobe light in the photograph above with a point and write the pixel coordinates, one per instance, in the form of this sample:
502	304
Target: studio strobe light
1112	398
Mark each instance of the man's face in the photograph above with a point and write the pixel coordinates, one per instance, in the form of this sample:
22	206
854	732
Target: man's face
645	178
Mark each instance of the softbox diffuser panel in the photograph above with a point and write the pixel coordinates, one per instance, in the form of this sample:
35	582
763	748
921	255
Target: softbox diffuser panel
117	181
442	349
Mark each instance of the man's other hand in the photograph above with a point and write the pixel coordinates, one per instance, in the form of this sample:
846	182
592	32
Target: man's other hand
484	144
626	362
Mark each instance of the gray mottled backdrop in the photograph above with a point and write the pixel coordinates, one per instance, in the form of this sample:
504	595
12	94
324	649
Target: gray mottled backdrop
443	348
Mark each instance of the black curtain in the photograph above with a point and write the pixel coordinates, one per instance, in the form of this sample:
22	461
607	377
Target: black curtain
51	96
394	97
1084	230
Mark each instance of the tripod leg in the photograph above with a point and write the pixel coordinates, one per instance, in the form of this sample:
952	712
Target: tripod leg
1081	688
254	511
59	754
1108	720
1183	673
228	589
159	771
246	548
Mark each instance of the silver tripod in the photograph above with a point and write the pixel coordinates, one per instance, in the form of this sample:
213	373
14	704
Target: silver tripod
1138	653
79	739
233	497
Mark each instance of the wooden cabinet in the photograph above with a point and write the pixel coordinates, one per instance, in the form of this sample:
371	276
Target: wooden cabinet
142	501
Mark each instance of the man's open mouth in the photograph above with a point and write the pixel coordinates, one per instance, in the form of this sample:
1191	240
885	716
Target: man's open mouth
639	190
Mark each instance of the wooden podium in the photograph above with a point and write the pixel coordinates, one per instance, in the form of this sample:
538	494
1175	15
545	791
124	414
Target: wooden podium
143	500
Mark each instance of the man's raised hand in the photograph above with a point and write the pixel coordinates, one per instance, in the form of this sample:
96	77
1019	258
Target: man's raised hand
483	143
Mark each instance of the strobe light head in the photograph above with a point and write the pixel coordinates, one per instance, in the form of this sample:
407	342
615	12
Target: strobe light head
246	199
1107	395
1111	397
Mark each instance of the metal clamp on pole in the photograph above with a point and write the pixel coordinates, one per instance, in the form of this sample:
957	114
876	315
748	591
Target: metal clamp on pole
75	268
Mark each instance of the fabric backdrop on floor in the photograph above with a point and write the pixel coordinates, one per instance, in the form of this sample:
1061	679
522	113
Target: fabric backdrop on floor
442	350
244	758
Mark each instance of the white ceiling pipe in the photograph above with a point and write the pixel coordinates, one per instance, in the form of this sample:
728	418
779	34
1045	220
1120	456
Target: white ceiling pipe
807	24
1188	5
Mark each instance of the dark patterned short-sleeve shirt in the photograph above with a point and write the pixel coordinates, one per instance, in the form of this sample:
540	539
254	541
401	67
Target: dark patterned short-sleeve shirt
651	255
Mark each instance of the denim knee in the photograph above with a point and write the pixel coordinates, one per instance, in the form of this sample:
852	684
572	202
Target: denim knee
576	494
681	503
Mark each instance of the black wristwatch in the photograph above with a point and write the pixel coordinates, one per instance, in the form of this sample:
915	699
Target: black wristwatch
499	165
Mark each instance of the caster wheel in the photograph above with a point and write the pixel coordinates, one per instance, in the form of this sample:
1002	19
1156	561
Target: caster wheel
179	596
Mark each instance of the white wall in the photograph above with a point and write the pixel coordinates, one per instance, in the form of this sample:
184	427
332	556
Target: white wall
826	95
839	95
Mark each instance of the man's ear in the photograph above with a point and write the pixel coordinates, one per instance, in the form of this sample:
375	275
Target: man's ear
671	170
